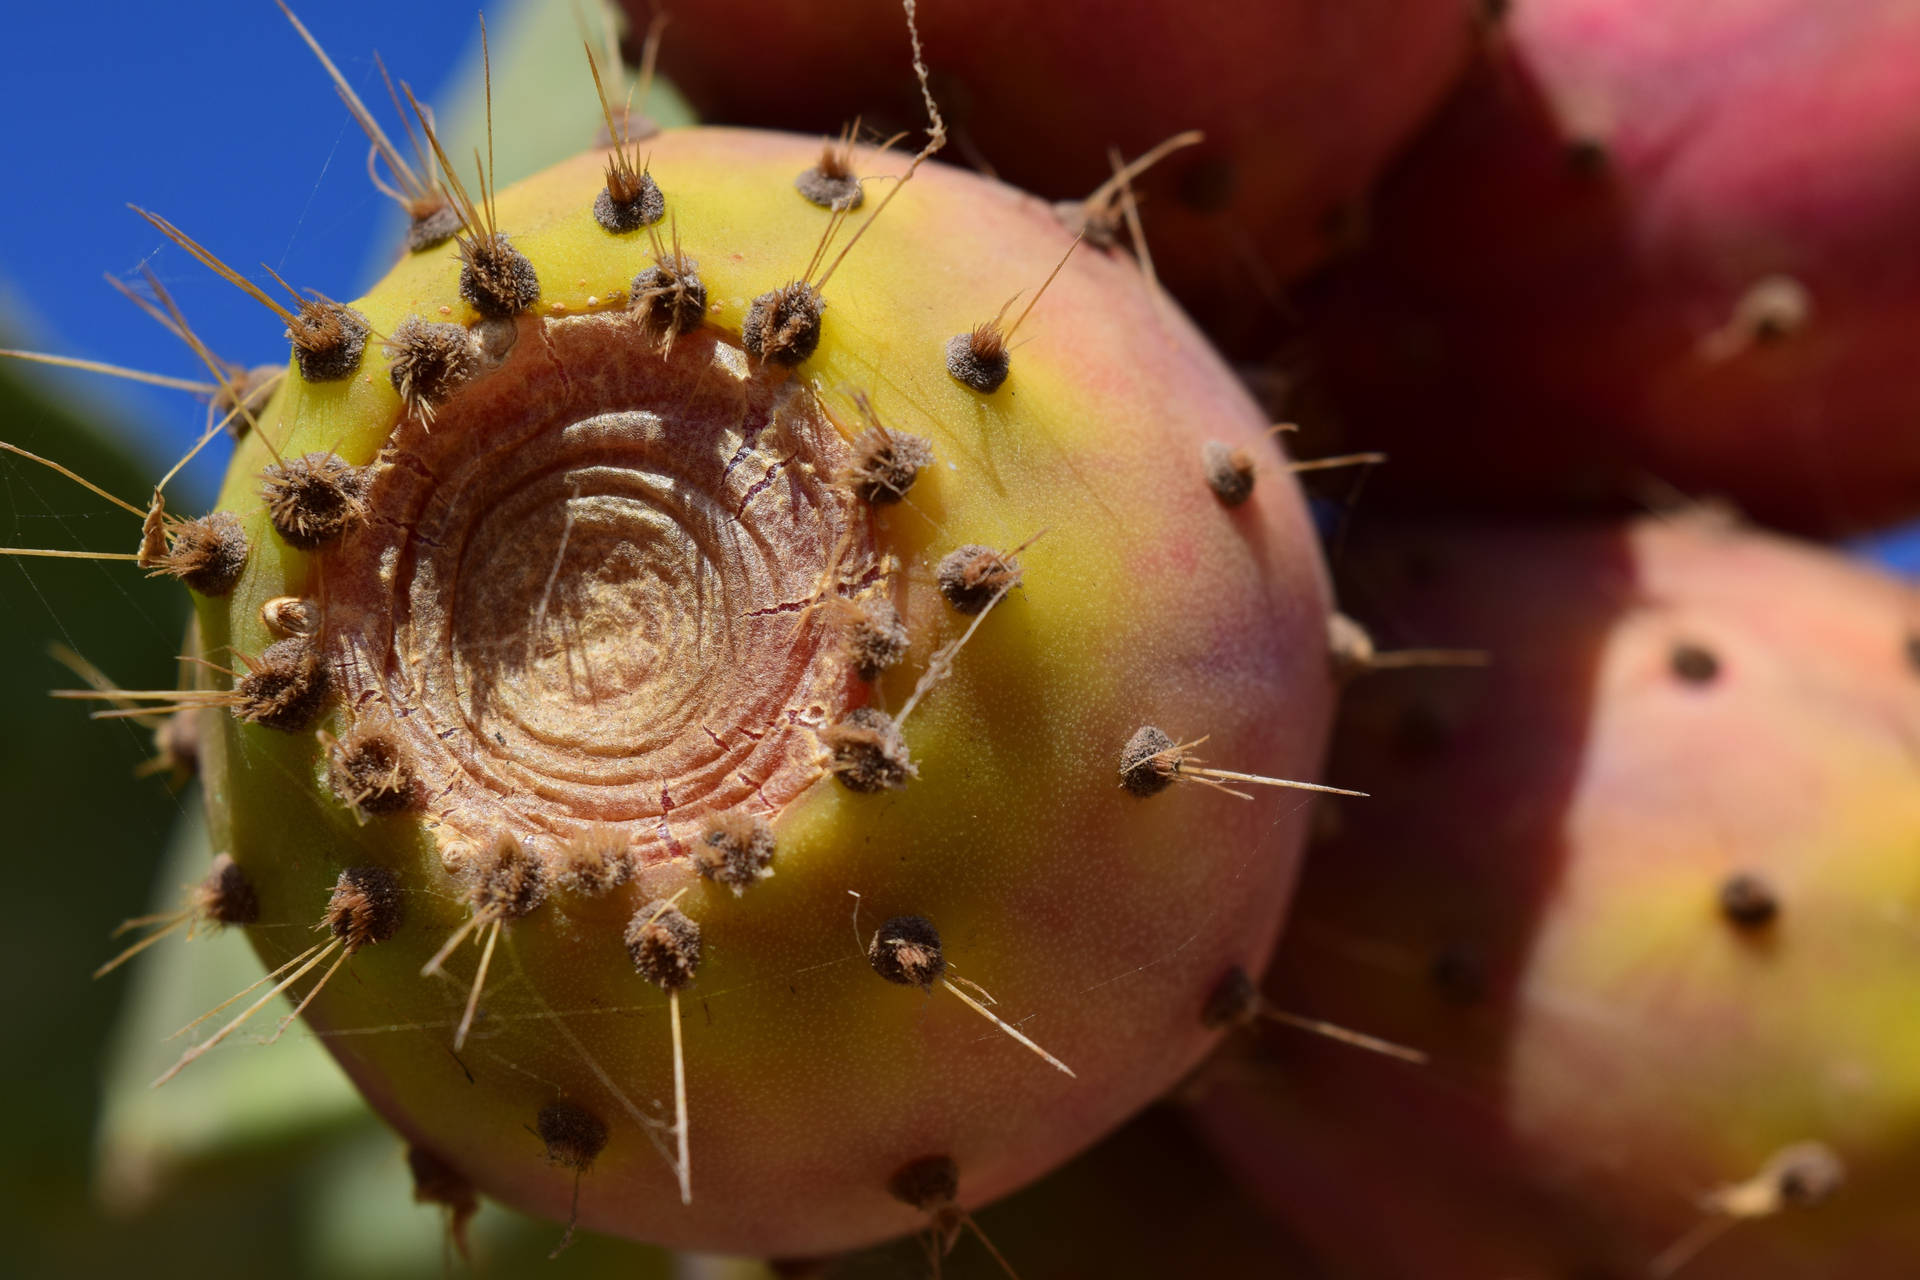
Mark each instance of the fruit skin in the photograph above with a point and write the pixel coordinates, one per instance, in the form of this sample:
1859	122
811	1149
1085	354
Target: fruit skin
1303	103
1100	920
1541	323
1538	910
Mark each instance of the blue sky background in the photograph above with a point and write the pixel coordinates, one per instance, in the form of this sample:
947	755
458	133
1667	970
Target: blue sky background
213	114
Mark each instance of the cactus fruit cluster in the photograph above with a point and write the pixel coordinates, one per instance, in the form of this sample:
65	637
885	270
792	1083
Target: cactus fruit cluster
760	692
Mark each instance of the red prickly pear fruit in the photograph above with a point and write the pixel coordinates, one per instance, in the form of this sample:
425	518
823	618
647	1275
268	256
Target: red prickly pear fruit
639	625
1647	896
1654	243
1302	104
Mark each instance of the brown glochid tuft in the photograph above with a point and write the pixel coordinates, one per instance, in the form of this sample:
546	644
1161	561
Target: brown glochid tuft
664	944
973	577
873	635
248	388
365	906
628	201
437	1182
225	895
1233	1002
979	359
433	227
735	850
328	340
429	362
505	881
670	296
885	464
314	499
574	1136
290	616
1694	663
495	277
285	688
783	325
369	772
906	950
176	744
208	554
594	862
831	183
928	1184
869	751
1149	761
1913	651
1747	901
1229	472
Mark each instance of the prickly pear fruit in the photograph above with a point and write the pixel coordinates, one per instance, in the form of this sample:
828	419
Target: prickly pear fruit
692	709
1702	271
1647	895
1302	103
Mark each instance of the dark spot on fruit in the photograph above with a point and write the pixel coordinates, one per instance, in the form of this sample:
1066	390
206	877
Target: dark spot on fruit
496	277
885	464
432	228
783	326
365	906
927	1184
208	554
906	950
1458	975
869	752
367	770
285	688
328	340
1913	651
629	202
669	296
1229	472
1345	226
314	499
1748	901
1587	157
1694	664
1421	732
973	577
736	850
1148	762
979	359
1233	1002
1807	1173
831	183
574	1136
1207	183
429	362
874	636
225	895
437	1182
505	881
664	944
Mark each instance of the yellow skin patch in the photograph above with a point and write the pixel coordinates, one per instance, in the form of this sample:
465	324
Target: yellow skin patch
1098	921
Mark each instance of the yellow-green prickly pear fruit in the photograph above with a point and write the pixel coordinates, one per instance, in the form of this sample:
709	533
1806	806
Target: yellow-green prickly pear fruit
713	673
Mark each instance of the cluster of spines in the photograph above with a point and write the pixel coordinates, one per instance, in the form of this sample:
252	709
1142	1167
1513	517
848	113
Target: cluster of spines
316	499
